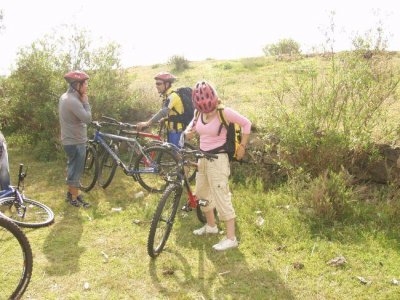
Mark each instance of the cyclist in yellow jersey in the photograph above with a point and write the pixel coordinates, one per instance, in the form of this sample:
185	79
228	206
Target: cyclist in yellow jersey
171	105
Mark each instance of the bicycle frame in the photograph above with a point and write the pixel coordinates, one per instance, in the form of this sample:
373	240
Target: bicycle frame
183	181
14	191
133	143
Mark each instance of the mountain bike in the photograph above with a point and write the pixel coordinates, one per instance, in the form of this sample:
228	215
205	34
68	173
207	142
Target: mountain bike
15	260
108	166
150	169
163	219
15	206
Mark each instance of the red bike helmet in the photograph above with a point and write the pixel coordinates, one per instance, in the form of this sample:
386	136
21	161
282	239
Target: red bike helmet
166	77
204	97
76	76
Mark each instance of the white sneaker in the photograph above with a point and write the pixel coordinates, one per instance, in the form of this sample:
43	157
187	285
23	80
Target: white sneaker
206	229
226	244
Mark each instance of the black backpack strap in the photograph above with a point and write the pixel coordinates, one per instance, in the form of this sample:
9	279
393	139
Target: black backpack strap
173	118
222	118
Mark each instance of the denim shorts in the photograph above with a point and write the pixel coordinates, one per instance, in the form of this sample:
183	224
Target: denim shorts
76	161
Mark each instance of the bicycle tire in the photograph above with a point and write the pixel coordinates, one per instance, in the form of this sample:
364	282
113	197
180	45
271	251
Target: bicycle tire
191	170
166	162
15	253
164	215
109	164
36	215
91	169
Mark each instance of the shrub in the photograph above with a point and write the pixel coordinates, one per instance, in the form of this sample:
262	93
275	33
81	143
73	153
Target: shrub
329	196
223	66
179	63
283	47
34	87
319	116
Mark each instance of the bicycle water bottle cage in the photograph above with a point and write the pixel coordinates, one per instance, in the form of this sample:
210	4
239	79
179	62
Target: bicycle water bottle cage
202	202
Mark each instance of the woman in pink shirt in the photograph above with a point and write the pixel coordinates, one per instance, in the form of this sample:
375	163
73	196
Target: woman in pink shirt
212	176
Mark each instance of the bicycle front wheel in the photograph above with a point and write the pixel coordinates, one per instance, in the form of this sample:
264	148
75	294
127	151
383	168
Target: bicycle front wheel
155	168
163	219
107	168
91	169
36	214
191	168
15	260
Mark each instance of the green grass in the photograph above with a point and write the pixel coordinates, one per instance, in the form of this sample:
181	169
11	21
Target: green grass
108	250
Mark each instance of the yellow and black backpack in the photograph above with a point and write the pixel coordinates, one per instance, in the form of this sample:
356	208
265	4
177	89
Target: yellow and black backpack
233	135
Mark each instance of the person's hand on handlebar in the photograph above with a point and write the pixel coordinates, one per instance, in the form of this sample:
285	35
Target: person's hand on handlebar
141	125
189	133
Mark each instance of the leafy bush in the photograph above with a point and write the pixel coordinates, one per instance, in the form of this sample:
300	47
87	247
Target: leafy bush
283	47
319	116
31	92
329	196
179	63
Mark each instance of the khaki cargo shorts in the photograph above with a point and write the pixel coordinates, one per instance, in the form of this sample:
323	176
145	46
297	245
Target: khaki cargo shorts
212	185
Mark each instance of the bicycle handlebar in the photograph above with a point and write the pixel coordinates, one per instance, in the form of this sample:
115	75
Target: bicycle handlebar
117	123
199	154
120	124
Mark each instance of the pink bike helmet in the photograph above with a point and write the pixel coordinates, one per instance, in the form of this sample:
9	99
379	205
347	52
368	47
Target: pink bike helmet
76	76
165	76
204	97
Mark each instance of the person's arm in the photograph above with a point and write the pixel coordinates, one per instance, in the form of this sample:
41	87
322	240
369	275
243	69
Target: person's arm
190	129
82	111
162	113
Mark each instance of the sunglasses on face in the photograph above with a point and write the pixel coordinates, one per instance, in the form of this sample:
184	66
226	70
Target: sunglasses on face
159	83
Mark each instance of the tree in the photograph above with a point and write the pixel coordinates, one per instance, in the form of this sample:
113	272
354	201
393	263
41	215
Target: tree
34	87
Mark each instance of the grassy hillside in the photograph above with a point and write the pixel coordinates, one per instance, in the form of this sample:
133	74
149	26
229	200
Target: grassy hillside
284	247
283	252
248	85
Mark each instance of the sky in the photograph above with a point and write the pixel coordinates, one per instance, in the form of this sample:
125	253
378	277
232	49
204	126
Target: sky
150	32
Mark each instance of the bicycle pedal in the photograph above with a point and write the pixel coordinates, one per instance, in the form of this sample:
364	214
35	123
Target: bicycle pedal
202	202
186	208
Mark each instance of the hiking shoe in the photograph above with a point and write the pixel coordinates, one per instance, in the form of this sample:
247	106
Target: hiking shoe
74	202
70	201
206	229
81	201
69	197
226	244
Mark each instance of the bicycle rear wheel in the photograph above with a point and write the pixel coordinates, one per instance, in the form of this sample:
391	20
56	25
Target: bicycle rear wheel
36	214
15	260
91	169
154	169
163	219
107	168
